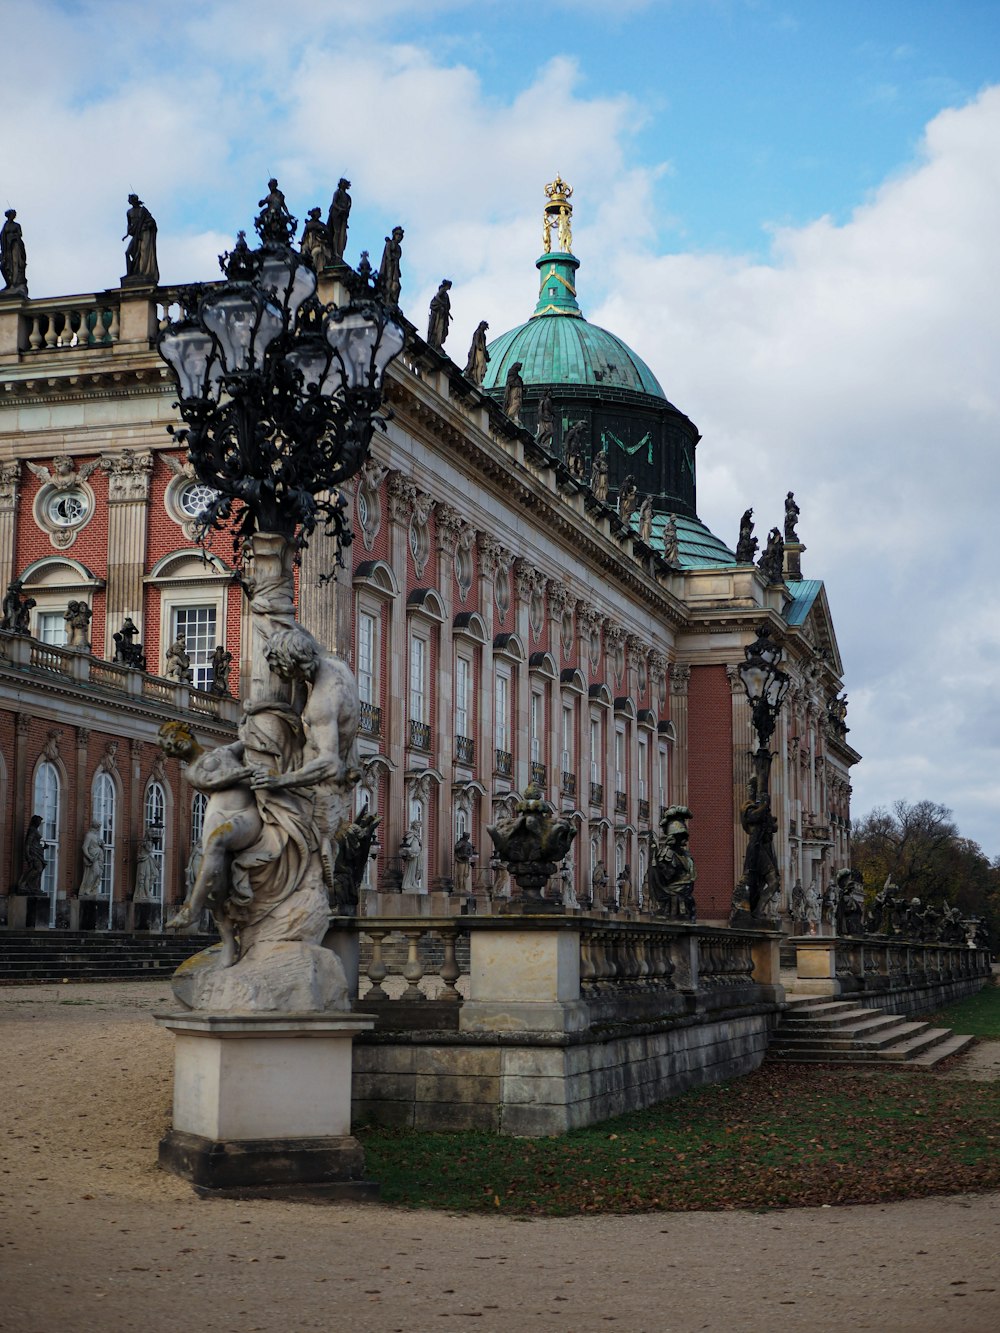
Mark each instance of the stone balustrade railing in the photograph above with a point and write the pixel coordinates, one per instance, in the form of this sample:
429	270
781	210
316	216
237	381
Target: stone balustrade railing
18	651
424	973
71	321
874	968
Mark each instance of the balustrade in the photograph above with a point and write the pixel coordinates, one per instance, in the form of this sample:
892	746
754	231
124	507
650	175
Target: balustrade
435	966
80	324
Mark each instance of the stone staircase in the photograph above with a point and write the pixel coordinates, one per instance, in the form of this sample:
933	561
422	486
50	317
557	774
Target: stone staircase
34	956
814	1031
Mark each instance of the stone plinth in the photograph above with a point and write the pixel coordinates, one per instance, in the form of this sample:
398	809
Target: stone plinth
262	1104
766	954
524	981
815	965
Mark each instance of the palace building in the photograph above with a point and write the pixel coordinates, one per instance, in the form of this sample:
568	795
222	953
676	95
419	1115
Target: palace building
507	618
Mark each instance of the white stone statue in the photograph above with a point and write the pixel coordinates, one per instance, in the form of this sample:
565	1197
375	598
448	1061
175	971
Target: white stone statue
92	850
811	908
147	878
178	665
501	878
410	851
566	884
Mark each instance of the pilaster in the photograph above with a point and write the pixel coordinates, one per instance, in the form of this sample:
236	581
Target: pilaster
10	478
680	679
128	500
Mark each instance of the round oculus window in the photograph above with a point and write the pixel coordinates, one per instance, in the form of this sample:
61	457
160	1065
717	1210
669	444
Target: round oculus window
67	508
195	499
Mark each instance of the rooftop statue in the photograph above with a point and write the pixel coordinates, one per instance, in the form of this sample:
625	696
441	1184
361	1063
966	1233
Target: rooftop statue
514	393
746	547
16	609
140	232
316	245
440	316
336	222
479	357
573	444
546	420
791	518
671	550
627	497
274	223
13	257
772	562
127	651
599	476
77	617
389	281
178	664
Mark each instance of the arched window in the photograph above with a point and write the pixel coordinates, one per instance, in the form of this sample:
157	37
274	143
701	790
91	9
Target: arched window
155	812
105	814
46	804
199	803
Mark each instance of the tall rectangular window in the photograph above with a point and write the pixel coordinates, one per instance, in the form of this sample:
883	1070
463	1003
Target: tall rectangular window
620	758
197	624
643	768
595	750
537	725
367	649
567	738
418	679
664	778
462	679
501	710
52	628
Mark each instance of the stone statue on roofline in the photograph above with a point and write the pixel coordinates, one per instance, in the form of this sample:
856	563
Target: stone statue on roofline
178	664
77	617
646	520
574	445
627	497
275	223
315	245
16	609
337	220
13	257
746	546
791	518
127	651
772	562
514	393
440	316
479	357
222	666
546	421
389	283
141	266
599	476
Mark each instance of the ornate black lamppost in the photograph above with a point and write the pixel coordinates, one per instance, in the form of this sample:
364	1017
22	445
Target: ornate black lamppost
766	686
280	396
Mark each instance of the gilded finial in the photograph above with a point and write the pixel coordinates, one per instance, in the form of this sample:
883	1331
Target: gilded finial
558	213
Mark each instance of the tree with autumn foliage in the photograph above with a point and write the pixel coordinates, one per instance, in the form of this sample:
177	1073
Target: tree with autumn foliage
920	846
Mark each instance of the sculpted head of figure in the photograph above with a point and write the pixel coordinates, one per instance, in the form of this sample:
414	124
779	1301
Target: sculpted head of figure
292	654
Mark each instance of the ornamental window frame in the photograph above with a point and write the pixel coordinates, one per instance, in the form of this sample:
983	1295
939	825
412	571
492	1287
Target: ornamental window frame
53	581
188	579
61	533
179	486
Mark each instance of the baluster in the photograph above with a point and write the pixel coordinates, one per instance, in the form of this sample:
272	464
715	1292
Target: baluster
35	337
51	336
449	971
413	969
587	970
377	970
65	329
112	333
599	961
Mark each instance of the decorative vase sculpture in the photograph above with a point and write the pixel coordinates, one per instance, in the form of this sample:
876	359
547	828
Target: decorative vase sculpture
531	843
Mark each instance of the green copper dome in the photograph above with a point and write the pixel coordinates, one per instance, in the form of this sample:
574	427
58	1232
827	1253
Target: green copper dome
558	346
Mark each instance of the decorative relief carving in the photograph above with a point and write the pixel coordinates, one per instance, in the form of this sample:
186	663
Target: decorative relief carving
526	578
558	596
82	737
419	787
402	494
735	681
135	749
10	476
448	524
109	760
368	501
158	773
128	476
680	678
50	750
489	554
636	652
657	662
22	721
420	538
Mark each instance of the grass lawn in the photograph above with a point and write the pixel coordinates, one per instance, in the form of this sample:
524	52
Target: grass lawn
785	1135
978	1014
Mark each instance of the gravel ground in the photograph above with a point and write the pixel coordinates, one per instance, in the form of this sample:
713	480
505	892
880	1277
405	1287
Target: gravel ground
95	1239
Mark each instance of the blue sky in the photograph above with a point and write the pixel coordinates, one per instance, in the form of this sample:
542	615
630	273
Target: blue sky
790	210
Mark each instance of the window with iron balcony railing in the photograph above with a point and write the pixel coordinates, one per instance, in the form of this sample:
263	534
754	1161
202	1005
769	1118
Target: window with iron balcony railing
643	809
621	802
465	749
568	787
420	735
370	723
504	763
596	793
538	774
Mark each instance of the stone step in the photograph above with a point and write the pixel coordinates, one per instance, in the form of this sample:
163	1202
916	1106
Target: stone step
842	1018
867	1038
917	1045
873	1021
954	1045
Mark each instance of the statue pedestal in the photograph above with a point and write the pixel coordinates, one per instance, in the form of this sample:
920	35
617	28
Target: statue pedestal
262	1105
815	965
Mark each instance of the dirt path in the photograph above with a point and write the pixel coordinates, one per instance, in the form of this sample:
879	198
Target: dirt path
94	1239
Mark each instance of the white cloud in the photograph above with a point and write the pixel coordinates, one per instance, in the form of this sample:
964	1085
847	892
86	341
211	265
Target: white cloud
857	366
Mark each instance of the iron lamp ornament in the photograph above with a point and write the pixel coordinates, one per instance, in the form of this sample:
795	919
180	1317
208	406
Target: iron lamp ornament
280	394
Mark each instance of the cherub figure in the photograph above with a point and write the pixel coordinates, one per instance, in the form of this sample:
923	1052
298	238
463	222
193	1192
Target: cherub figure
63	475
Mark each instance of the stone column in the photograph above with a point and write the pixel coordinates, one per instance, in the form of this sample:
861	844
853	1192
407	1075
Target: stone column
402	494
448	523
680	679
488	553
324	592
743	745
128	499
10	476
81	803
20	799
556	603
